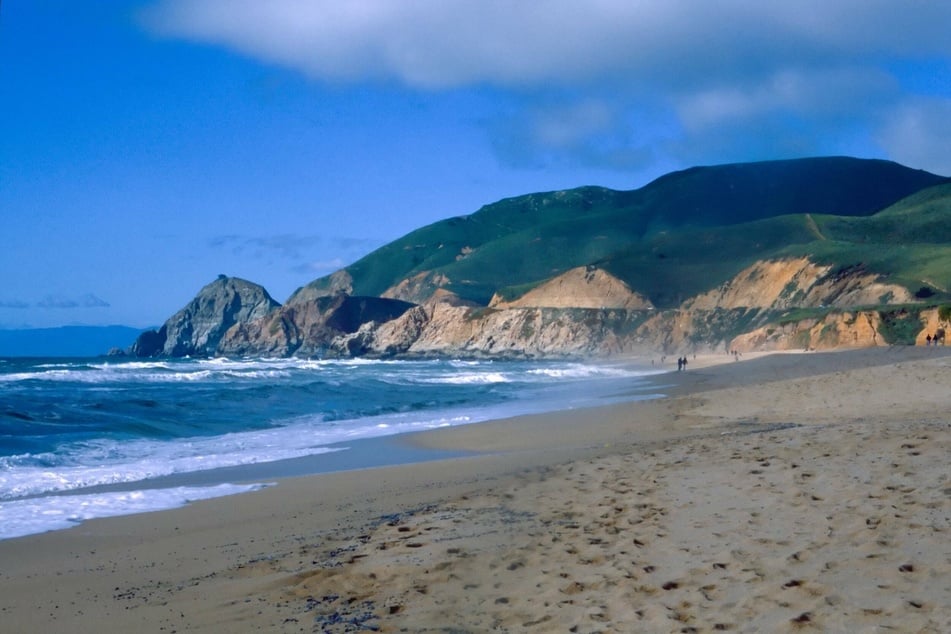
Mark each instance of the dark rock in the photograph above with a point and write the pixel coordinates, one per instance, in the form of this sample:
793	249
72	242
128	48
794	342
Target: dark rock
149	344
197	329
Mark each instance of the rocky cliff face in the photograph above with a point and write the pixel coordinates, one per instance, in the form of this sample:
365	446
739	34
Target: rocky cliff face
584	312
858	329
336	284
932	324
799	283
456	328
418	289
309	328
198	327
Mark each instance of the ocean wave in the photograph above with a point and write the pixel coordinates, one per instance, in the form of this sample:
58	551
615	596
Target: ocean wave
39	515
584	371
86	424
468	378
113	375
108	463
132	365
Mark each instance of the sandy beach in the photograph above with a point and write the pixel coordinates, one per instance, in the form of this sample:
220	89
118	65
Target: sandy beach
778	493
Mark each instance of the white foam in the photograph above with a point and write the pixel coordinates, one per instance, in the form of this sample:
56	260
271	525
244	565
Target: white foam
469	378
113	462
79	465
109	461
39	515
582	371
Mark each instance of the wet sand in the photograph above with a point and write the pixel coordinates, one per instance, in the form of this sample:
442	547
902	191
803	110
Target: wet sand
778	493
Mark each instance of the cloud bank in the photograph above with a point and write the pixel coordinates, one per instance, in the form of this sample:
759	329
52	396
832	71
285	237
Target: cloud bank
296	250
622	82
87	300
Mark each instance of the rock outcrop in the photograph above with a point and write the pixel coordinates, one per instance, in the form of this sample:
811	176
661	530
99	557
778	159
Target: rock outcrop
452	327
339	283
198	328
935	325
323	326
782	304
799	283
419	288
580	287
847	329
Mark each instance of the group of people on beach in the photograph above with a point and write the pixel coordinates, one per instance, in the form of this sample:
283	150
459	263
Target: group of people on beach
681	364
935	339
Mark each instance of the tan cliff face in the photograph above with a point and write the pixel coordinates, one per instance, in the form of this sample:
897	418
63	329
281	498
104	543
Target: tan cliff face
746	302
583	312
859	329
798	283
452	327
418	289
581	287
932	325
672	331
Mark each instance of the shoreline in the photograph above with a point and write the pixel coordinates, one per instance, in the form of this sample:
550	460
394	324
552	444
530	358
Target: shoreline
404	448
261	558
384	450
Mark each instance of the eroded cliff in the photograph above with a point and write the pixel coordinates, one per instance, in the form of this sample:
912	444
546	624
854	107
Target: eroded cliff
781	304
580	287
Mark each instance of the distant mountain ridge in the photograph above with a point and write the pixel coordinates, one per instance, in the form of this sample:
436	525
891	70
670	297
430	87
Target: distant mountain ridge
693	260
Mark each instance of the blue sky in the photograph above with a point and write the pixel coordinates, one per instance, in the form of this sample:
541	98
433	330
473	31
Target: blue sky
147	146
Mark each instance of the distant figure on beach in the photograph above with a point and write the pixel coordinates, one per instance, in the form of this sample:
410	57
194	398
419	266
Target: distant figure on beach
684	362
928	340
680	364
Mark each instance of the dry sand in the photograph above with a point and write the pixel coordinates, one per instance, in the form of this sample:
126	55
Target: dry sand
803	492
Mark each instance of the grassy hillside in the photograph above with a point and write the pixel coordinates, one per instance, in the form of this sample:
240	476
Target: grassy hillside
910	241
684	232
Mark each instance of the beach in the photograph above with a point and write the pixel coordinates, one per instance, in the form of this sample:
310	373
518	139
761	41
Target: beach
787	492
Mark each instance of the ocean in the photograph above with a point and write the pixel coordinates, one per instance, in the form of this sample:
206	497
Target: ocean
90	438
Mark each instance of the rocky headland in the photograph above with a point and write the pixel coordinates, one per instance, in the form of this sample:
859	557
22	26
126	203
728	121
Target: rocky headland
777	305
812	254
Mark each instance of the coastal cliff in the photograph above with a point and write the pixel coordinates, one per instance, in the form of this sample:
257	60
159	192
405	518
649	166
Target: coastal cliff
198	328
805	254
324	325
756	310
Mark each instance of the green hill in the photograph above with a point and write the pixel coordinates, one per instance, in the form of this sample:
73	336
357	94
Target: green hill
682	233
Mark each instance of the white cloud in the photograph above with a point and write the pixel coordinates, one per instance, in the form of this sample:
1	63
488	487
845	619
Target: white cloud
821	93
444	43
87	300
321	266
582	77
